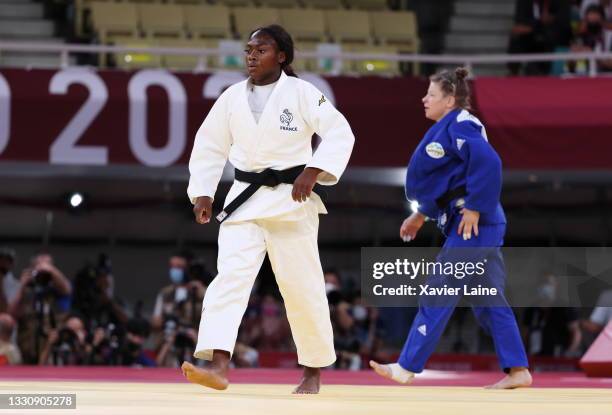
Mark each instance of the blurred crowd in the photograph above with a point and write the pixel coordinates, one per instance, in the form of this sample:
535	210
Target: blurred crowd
546	26
48	319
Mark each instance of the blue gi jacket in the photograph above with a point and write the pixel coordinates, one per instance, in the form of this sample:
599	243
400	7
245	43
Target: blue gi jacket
455	152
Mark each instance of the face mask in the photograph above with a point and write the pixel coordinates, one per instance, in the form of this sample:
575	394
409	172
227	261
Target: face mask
329	287
176	275
360	313
547	292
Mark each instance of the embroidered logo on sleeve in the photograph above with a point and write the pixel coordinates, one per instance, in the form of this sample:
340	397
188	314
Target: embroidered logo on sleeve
322	100
422	329
435	150
460	142
286	118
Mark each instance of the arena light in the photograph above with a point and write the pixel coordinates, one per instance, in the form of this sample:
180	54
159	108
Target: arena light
76	200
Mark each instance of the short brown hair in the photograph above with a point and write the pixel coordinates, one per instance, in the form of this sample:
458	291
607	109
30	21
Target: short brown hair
455	84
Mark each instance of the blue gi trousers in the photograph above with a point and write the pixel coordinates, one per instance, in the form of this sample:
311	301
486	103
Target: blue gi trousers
497	320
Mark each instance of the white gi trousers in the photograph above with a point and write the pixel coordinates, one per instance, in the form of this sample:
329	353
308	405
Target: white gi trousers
291	242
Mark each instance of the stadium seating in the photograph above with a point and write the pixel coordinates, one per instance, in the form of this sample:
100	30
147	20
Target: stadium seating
114	19
208	21
82	8
323	4
280	4
397	29
348	26
235	3
188	23
368	4
161	20
304	25
248	18
188	2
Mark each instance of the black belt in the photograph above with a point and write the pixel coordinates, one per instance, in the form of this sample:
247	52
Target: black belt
448	197
268	178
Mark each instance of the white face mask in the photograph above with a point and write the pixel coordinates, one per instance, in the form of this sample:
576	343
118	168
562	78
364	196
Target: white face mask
329	287
547	292
360	313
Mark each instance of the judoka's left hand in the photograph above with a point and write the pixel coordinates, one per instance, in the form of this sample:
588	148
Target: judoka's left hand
303	185
468	224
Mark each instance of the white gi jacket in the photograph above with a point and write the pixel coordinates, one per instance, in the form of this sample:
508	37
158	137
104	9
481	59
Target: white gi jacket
295	111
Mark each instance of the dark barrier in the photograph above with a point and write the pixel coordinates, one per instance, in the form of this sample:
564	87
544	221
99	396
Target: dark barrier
149	117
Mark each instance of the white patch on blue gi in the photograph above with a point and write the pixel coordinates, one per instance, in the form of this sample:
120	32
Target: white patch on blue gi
435	150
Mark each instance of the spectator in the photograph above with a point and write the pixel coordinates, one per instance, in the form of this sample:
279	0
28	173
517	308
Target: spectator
346	338
94	299
8	283
591	36
606	6
333	286
177	310
42	300
271	330
601	315
132	352
66	346
551	329
367	328
9	352
540	26
104	345
182	288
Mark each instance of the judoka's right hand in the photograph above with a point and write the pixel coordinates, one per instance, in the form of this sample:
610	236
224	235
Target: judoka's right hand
411	226
203	209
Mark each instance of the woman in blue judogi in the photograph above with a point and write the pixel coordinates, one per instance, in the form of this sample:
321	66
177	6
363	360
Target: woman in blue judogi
455	176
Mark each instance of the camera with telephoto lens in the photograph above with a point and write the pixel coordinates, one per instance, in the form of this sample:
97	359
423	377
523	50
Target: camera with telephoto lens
41	279
182	339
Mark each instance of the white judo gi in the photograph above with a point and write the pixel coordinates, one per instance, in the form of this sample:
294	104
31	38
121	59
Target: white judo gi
270	220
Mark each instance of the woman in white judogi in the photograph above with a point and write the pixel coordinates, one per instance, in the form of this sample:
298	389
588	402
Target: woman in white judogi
262	124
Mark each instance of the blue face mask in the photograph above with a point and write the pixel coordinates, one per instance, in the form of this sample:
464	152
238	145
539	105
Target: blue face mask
176	275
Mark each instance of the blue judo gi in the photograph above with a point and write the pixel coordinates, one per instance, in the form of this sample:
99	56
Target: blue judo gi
455	154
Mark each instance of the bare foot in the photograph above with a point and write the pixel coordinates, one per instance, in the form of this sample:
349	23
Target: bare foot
382	370
311	381
517	378
386	371
210	378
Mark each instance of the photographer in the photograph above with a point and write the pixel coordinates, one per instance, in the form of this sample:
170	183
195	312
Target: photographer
42	300
66	346
132	353
183	287
94	297
177	310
